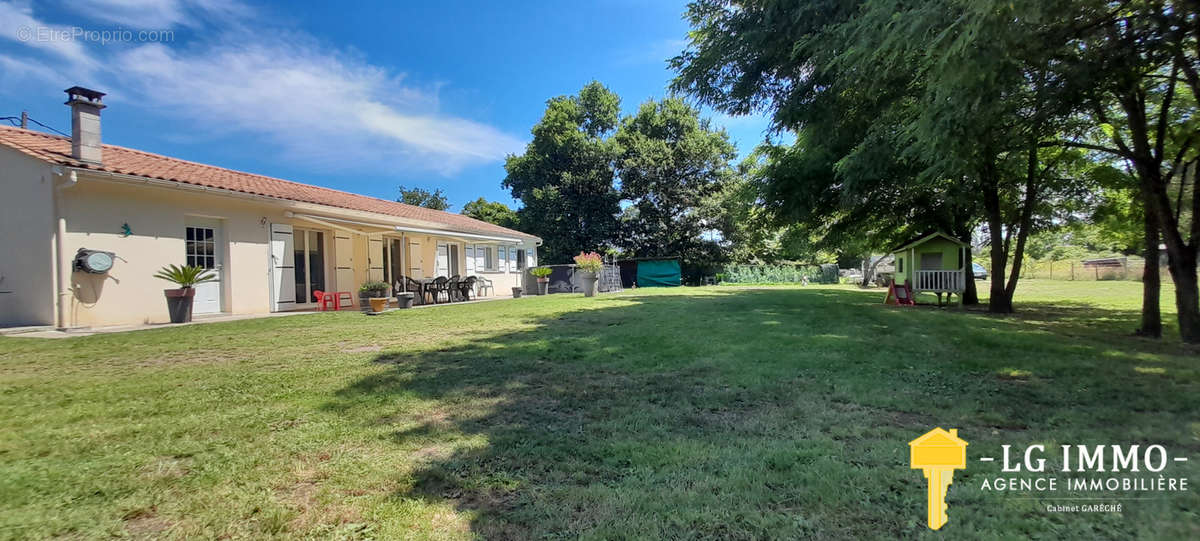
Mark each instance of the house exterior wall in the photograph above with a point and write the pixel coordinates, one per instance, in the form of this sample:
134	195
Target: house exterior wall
98	207
27	228
96	210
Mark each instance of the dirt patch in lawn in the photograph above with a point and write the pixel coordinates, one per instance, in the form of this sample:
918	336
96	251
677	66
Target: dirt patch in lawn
145	524
304	498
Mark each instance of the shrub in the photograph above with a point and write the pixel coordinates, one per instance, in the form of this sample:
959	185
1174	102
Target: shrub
372	286
186	277
541	272
589	262
769	274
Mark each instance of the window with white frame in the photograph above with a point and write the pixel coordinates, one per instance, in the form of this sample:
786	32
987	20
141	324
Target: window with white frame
520	259
503	259
489	257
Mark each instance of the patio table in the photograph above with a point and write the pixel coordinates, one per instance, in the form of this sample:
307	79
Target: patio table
424	283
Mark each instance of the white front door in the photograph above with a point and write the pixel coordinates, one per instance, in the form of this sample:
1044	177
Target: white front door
202	248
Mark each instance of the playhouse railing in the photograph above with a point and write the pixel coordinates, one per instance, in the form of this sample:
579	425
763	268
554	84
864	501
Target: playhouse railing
940	281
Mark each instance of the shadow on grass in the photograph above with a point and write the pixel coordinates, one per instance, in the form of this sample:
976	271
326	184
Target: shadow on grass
743	414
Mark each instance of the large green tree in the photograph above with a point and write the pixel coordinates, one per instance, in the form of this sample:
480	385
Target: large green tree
1138	63
565	179
421	197
493	212
908	115
670	163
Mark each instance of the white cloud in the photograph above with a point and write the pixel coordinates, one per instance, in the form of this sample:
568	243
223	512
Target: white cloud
17	24
320	107
309	103
158	14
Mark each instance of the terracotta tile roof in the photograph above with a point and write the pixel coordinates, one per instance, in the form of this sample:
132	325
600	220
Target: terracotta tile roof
56	149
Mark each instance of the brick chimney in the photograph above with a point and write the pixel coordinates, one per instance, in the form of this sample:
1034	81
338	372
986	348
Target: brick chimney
85	123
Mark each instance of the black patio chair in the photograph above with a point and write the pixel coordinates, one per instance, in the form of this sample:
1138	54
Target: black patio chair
438	287
467	286
452	288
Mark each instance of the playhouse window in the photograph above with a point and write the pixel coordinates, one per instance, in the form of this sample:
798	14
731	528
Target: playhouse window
899	264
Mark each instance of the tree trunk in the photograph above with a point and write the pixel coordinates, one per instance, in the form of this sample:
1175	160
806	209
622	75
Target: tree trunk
1147	158
1181	255
962	230
970	293
1184	275
1151	281
1032	175
999	302
869	270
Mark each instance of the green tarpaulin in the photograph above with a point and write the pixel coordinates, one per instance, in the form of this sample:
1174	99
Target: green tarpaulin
660	273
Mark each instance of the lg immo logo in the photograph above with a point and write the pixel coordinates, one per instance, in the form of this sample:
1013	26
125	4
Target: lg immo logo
938	453
1105	473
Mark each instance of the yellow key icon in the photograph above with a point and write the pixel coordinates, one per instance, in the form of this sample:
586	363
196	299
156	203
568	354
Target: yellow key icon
938	453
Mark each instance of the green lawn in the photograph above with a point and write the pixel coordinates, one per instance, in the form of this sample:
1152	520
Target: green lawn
669	413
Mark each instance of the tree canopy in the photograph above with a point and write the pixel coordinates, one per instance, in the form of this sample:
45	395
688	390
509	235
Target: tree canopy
565	178
422	197
493	212
963	114
670	162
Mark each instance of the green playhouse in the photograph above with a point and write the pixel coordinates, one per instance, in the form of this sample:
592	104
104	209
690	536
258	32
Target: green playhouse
650	272
932	263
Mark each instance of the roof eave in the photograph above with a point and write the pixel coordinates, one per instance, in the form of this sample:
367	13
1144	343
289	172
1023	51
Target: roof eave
292	204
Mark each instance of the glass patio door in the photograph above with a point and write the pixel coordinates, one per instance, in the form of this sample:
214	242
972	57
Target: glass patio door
309	248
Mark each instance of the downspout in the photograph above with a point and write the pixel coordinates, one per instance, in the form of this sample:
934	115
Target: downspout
64	262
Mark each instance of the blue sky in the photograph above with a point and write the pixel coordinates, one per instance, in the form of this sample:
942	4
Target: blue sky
362	99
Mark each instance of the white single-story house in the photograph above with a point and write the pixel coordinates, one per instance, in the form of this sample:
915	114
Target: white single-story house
272	242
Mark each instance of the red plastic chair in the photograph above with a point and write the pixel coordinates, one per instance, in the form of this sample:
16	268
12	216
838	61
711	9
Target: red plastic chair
343	296
325	299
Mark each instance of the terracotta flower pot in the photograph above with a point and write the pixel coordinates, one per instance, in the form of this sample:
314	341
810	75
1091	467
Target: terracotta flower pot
179	304
378	304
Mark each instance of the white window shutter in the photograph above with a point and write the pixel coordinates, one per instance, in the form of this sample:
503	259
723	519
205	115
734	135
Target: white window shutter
283	271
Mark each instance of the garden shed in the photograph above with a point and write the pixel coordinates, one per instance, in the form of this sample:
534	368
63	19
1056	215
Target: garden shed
650	272
932	263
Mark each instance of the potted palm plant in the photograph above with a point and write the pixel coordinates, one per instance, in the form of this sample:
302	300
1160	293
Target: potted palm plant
179	300
588	265
372	296
543	278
